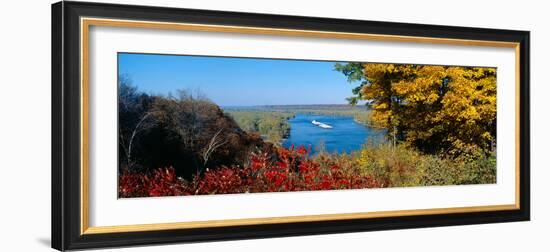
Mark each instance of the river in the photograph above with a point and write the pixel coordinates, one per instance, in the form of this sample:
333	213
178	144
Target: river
345	136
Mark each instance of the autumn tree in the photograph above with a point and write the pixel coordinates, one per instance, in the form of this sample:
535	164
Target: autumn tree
448	109
193	134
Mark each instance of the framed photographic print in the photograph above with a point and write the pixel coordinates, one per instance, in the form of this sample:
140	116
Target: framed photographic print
179	125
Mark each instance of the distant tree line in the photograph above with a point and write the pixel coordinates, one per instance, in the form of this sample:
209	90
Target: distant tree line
254	113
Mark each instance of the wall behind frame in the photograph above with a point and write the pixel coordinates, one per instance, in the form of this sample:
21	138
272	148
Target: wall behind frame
25	128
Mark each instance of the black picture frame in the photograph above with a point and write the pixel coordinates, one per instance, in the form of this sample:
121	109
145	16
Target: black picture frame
66	114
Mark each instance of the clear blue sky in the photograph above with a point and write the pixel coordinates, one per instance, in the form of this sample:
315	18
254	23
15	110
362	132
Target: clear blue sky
238	81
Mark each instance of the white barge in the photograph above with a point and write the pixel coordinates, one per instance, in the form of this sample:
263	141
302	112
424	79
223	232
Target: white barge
321	125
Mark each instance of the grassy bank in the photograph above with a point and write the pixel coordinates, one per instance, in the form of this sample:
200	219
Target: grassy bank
271	125
402	166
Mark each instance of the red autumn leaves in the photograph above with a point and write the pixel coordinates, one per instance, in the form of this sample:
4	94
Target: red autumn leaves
160	182
290	169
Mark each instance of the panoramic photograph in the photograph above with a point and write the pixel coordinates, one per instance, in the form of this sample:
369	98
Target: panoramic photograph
202	125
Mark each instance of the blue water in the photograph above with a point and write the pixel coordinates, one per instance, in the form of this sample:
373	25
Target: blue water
345	136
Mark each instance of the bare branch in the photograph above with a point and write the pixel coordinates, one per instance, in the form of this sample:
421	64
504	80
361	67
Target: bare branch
214	144
136	130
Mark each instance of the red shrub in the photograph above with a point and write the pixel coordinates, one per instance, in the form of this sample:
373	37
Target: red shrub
219	181
294	170
160	182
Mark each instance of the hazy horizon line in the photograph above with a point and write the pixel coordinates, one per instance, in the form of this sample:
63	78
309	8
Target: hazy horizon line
282	105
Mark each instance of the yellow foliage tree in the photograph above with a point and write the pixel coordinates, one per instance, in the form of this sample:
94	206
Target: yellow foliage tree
450	109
